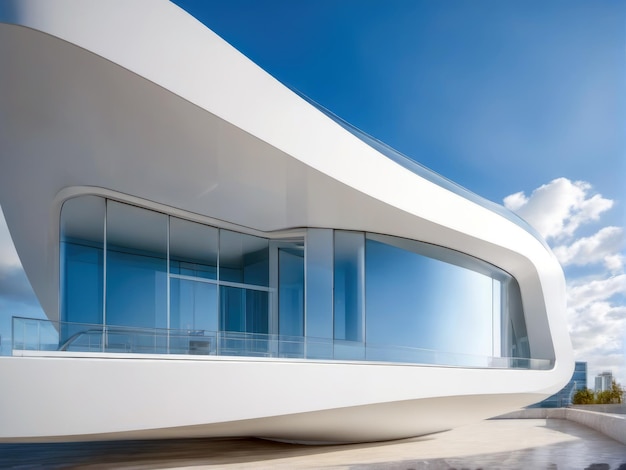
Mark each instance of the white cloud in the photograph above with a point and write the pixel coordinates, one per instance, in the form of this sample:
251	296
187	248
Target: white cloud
596	300
615	263
598	329
558	208
515	201
581	296
603	246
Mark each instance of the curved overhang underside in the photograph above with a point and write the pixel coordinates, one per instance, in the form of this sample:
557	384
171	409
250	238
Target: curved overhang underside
365	423
306	402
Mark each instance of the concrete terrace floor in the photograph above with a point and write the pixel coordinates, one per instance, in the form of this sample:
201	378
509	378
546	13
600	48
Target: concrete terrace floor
495	444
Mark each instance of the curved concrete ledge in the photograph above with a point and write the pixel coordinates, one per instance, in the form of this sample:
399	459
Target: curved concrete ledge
611	425
616	409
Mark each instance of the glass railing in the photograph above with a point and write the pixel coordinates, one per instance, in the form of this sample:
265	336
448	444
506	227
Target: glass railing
45	335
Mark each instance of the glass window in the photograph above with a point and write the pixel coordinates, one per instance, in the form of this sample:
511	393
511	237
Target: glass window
244	258
497	309
290	292
319	283
136	267
407	300
418	301
349	276
243	310
193	305
193	249
319	293
514	333
82	242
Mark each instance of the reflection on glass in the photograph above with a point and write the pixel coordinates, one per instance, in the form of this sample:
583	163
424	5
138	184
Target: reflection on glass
291	292
193	249
349	276
291	301
136	284
244	258
319	293
514	333
82	243
319	283
353	296
193	305
498	311
243	310
421	302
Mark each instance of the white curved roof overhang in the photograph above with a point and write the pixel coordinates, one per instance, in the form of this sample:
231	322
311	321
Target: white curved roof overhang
139	101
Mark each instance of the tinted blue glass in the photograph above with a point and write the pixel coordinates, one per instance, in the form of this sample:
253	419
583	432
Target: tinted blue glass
257	311
514	334
193	305
244	258
420	302
193	249
243	310
319	293
349	273
82	282
291	292
232	309
136	267
580	375
319	283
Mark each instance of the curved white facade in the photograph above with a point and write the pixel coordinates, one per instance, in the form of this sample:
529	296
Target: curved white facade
137	102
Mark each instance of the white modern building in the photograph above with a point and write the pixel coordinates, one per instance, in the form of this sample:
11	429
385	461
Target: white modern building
217	256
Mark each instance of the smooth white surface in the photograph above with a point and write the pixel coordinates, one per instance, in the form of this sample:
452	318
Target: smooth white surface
137	101
305	401
612	425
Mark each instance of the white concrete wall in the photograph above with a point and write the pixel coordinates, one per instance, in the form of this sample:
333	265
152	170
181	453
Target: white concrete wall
610	425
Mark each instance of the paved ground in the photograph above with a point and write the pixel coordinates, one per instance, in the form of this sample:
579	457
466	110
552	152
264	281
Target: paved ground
499	444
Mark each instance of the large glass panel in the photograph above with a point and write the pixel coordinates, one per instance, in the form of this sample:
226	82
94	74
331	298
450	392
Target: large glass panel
319	283
136	279
497	309
319	293
193	249
244	258
291	301
514	334
193	317
416	301
349	276
291	292
82	242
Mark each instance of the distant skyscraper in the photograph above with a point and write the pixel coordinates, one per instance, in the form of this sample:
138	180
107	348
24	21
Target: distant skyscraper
603	381
564	396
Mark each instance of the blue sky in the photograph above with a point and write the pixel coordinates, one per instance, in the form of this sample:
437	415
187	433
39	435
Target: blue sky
523	100
498	96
